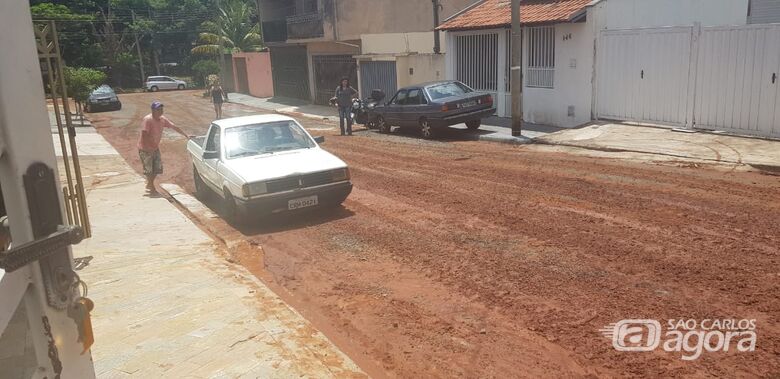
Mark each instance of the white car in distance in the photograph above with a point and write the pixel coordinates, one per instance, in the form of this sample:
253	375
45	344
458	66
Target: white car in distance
266	164
156	83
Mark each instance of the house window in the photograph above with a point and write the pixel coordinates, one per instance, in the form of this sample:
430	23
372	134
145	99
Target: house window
541	57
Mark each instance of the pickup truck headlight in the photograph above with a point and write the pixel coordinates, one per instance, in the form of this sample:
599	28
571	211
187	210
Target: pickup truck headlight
341	174
253	189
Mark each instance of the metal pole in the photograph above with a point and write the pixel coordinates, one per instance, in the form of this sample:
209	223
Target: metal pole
138	48
222	67
517	70
436	38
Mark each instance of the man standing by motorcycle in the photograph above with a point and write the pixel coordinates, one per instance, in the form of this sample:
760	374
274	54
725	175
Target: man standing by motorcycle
343	98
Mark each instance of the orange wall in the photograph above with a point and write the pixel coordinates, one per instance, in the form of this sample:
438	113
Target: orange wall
258	67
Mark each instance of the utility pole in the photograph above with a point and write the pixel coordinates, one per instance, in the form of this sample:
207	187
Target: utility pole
436	38
517	70
222	67
138	47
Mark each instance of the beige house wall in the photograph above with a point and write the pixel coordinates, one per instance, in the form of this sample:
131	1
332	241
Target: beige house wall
394	43
419	68
357	17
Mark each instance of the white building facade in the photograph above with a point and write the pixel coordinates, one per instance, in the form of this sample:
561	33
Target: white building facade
619	59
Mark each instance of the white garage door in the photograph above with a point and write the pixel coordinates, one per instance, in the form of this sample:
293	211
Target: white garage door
643	75
737	80
723	78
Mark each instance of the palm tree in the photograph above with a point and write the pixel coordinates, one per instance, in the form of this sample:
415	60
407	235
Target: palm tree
233	27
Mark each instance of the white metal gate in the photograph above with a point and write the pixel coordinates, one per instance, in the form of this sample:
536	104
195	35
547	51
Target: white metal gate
737	79
723	78
477	60
378	75
643	75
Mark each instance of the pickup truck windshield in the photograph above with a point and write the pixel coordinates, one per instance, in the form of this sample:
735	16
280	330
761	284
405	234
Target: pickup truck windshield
440	91
249	140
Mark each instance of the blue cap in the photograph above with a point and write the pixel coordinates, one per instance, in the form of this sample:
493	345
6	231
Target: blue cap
157	105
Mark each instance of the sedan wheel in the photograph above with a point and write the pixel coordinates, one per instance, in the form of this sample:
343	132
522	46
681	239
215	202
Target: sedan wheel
473	125
425	129
382	126
181	86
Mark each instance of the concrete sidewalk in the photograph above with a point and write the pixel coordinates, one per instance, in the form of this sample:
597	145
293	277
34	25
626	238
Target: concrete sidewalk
167	304
495	129
615	137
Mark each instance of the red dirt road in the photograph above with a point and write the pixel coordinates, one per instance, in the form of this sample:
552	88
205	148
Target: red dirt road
473	259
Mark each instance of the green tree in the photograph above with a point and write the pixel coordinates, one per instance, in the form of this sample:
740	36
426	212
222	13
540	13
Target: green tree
202	69
78	44
233	27
81	82
124	66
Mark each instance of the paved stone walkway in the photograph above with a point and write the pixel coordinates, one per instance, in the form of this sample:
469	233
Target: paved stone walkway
167	304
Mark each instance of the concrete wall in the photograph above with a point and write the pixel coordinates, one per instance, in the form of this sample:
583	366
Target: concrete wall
356	17
626	14
258	67
393	43
572	83
425	68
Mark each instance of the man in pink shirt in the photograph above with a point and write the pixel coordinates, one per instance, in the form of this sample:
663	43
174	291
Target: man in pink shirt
152	126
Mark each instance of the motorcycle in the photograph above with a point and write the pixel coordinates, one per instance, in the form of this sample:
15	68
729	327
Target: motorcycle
362	109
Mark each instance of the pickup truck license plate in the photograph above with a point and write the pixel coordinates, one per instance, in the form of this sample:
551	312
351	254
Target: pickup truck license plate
303	202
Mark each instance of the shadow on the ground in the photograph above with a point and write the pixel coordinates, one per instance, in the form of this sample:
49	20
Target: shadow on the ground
442	134
288	101
280	222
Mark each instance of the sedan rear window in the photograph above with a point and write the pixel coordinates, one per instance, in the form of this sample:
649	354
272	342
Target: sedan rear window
440	91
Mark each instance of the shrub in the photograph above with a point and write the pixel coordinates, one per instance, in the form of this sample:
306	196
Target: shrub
202	69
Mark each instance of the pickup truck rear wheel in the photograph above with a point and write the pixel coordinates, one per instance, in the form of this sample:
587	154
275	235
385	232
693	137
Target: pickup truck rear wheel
200	187
474	124
426	130
382	125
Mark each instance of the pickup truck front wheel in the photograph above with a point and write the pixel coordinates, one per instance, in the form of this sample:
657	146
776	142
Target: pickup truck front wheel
231	210
200	187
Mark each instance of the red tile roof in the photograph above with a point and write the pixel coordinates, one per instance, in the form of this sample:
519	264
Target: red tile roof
497	13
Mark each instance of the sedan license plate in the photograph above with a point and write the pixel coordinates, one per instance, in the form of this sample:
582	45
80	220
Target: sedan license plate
468	104
303	202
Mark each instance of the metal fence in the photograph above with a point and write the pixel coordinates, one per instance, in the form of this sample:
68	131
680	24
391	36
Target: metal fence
328	71
378	75
476	61
541	57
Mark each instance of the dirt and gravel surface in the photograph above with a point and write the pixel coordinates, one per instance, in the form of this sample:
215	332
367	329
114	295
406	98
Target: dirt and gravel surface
474	259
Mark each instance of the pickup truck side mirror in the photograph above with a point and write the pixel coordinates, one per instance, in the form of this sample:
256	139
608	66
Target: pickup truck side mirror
320	139
211	155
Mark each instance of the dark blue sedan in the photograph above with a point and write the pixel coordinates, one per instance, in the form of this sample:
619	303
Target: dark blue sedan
430	106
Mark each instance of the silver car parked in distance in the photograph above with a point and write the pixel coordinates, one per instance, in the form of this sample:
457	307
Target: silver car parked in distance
156	83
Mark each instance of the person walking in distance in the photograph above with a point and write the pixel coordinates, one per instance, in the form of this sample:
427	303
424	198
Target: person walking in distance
218	96
152	126
344	96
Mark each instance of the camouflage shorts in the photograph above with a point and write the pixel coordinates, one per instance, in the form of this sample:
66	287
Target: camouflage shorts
151	161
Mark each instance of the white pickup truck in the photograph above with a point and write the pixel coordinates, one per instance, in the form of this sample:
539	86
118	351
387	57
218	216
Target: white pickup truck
266	164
